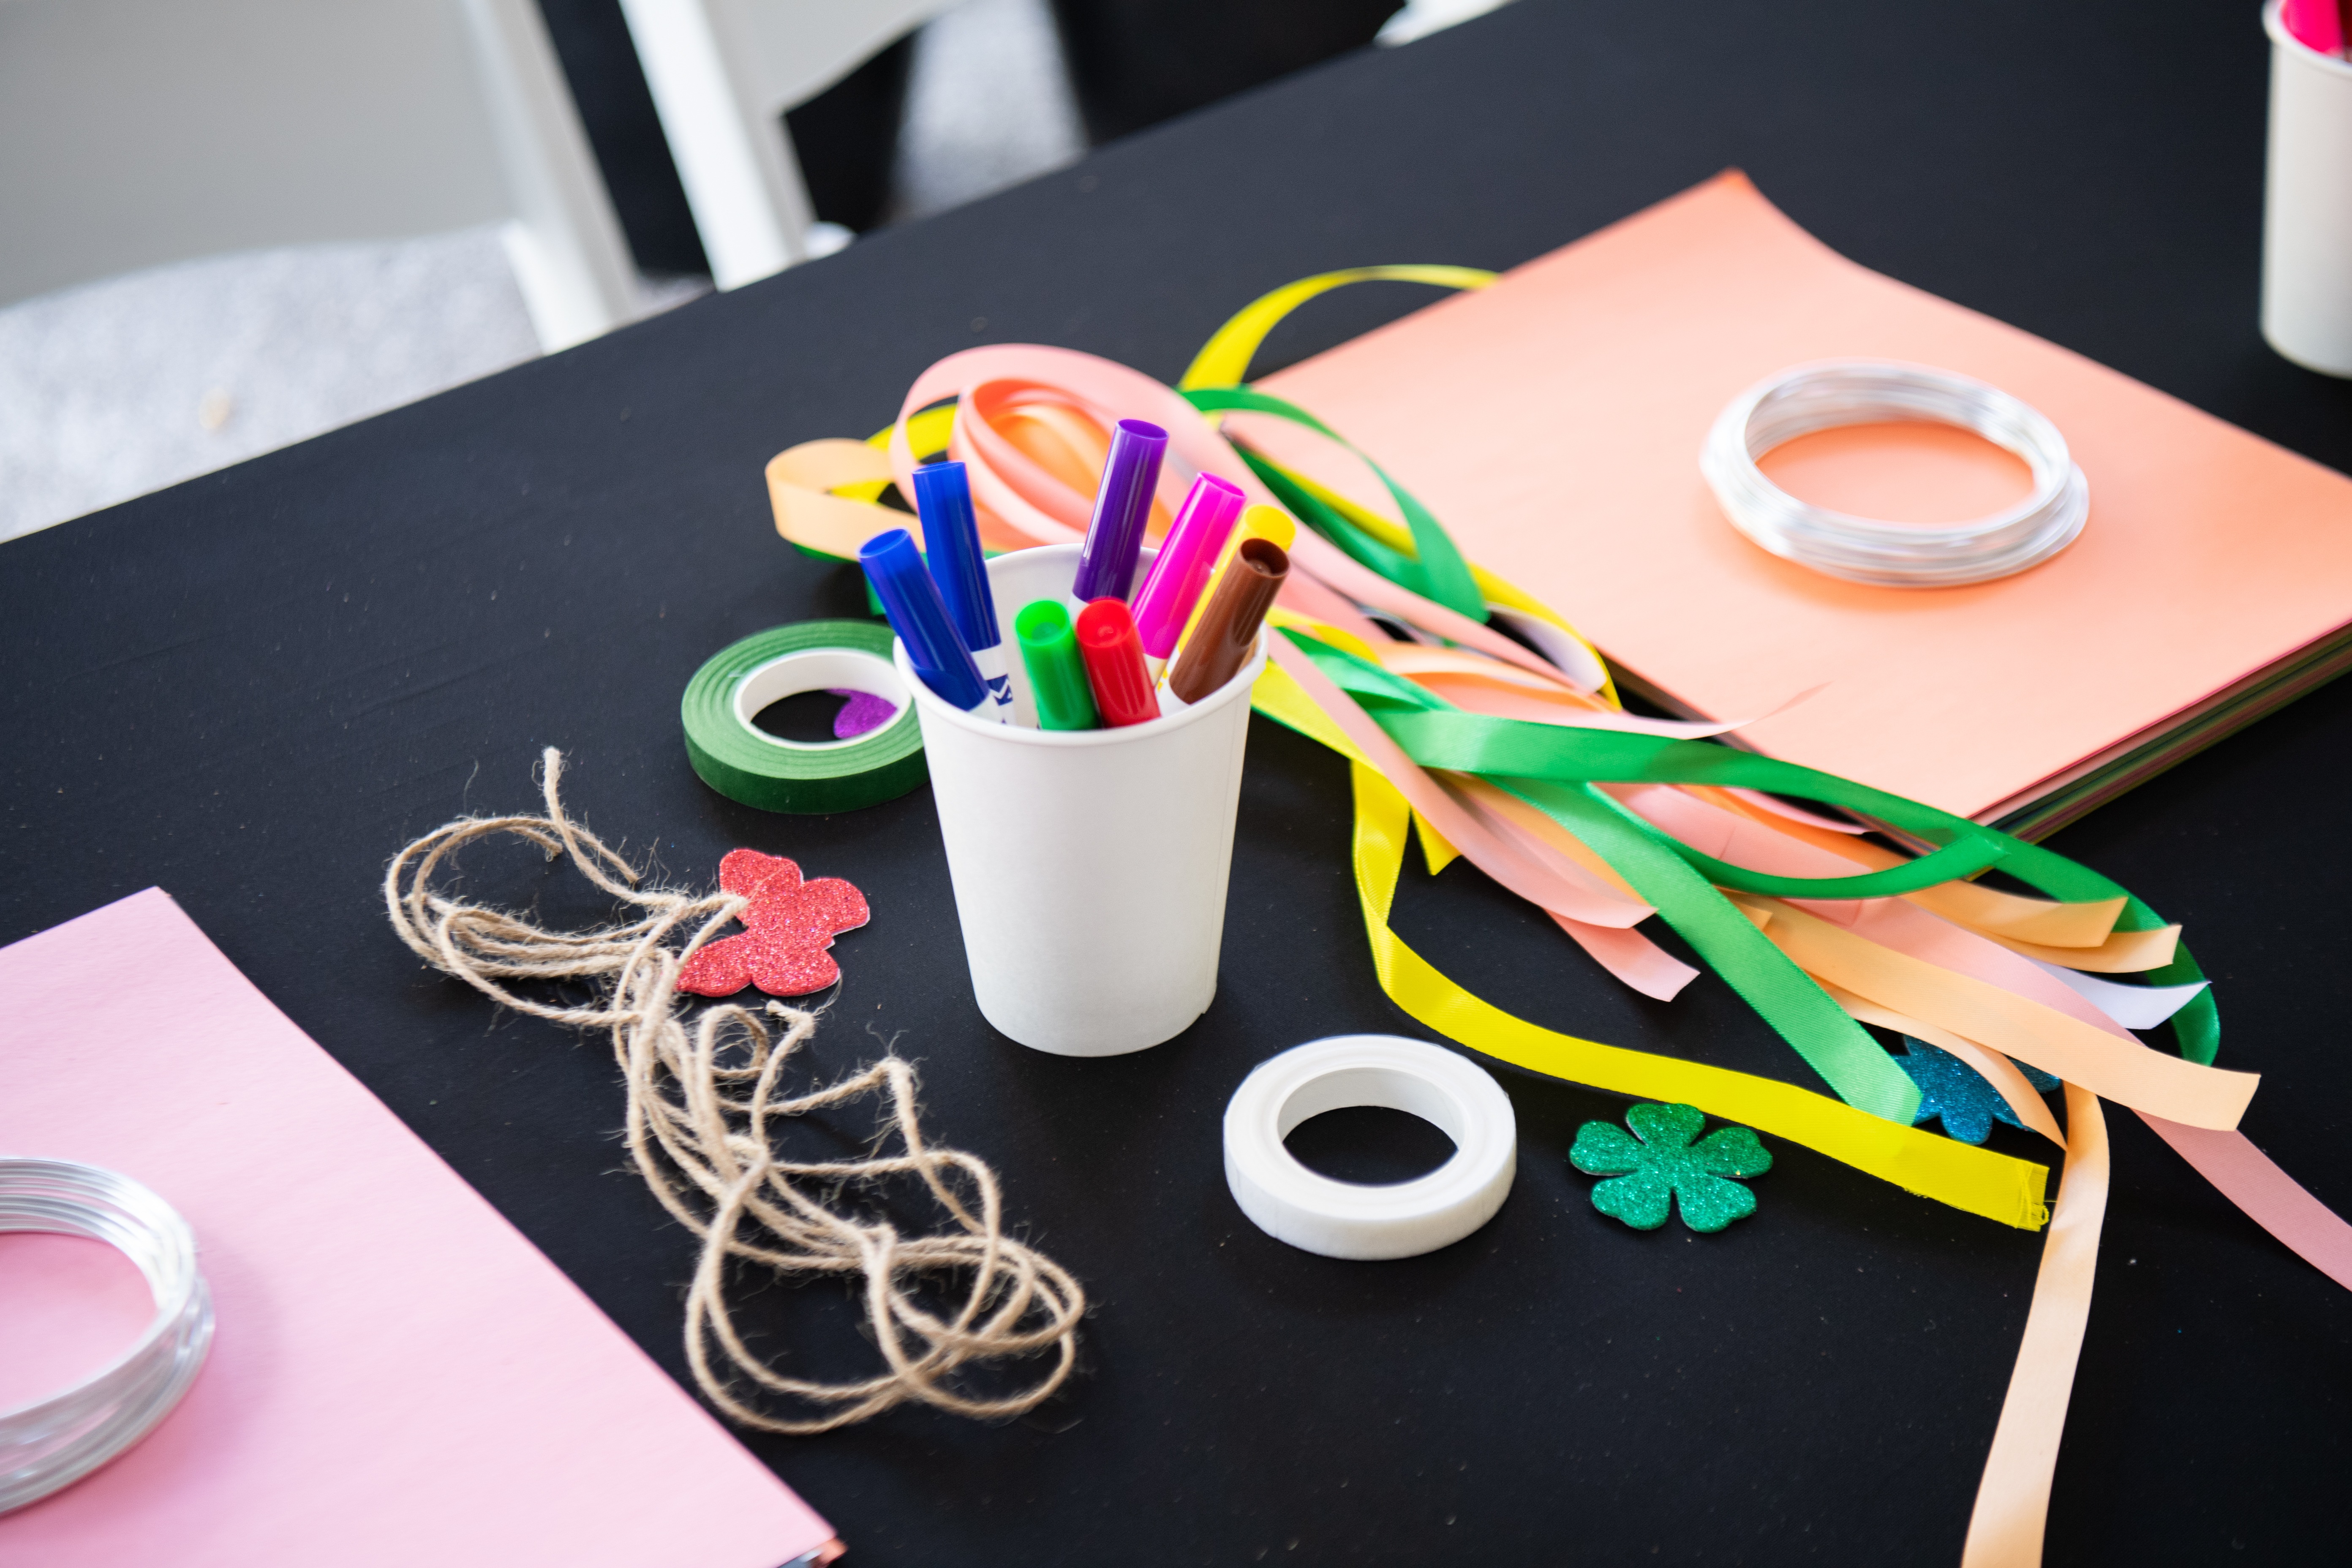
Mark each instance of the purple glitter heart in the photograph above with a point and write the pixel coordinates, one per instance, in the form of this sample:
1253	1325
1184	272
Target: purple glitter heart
862	713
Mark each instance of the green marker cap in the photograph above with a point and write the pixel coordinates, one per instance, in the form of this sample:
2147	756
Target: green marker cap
1057	676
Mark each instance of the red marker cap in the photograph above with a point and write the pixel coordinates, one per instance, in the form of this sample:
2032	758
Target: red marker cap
1113	652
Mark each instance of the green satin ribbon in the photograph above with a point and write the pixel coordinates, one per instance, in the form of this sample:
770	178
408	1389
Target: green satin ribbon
1849	1060
1436	570
1378	690
1553	767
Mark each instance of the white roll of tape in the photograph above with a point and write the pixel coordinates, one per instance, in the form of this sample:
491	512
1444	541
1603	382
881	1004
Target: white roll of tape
1808	398
1344	1219
52	1443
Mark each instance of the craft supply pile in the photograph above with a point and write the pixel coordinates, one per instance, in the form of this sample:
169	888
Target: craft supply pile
1093	580
1477	722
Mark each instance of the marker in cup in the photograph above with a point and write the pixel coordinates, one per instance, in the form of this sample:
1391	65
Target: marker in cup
1057	674
943	500
1114	673
1270	523
1182	567
1227	633
1122	506
919	616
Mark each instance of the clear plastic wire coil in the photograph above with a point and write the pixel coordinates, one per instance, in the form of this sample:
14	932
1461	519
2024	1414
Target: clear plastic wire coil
1825	397
54	1442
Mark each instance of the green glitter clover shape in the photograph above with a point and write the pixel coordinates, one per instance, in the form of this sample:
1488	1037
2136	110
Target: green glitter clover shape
1666	1167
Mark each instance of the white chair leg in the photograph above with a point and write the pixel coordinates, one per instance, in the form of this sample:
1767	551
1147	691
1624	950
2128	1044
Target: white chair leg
749	203
569	257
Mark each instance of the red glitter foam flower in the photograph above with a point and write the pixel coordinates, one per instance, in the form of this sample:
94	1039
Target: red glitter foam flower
787	927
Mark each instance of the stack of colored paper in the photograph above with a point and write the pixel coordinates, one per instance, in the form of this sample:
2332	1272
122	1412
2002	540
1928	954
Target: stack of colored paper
1553	422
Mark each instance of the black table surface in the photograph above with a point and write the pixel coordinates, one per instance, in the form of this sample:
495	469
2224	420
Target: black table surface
253	688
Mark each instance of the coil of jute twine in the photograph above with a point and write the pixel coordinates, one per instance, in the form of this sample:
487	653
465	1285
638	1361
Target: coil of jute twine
707	1107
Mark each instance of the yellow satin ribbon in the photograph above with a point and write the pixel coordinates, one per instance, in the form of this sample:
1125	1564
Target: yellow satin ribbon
1225	359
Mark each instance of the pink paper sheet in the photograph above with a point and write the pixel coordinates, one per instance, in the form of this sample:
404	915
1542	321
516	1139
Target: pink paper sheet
399	1380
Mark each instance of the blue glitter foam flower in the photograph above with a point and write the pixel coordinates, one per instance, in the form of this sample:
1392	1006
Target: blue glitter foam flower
1950	1088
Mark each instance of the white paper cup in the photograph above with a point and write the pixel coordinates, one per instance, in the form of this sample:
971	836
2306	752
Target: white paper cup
1089	865
2307	204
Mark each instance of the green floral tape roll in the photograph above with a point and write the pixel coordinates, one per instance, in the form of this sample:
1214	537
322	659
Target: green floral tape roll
744	763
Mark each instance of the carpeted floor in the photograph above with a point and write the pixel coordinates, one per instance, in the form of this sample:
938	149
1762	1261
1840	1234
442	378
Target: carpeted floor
123	386
116	388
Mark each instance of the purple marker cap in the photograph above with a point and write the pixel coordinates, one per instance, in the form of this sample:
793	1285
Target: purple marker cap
1186	558
1114	538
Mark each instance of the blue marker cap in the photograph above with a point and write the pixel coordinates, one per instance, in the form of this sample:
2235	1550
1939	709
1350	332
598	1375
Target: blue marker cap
943	500
912	601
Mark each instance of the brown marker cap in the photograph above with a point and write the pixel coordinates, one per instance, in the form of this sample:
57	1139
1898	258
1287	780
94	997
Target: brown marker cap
1221	644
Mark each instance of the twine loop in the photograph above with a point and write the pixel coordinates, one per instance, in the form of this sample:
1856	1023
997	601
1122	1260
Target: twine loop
707	1110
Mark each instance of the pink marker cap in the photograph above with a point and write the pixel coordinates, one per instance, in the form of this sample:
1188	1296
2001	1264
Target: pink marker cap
2315	23
1181	568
